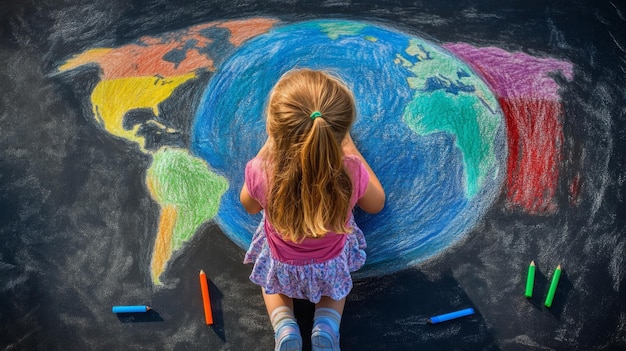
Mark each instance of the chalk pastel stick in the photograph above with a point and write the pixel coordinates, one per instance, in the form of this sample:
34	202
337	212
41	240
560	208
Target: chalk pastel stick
130	309
451	315
206	299
530	280
553	285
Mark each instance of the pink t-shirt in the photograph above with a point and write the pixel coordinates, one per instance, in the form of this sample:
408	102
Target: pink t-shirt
311	250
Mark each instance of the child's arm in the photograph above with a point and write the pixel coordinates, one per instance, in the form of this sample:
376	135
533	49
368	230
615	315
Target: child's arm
373	200
249	204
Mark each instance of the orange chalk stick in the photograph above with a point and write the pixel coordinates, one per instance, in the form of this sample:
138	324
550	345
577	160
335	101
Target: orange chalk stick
206	300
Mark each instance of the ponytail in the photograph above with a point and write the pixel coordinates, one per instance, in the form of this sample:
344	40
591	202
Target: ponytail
326	187
309	193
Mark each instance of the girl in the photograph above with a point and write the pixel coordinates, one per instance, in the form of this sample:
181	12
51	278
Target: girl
307	178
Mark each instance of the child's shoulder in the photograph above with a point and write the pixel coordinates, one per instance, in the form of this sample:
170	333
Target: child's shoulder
351	161
256	162
255	166
354	166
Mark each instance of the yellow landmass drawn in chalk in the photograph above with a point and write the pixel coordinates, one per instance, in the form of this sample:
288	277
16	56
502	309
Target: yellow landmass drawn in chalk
112	99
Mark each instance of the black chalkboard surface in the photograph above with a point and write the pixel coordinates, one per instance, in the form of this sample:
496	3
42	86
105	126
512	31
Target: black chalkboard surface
78	215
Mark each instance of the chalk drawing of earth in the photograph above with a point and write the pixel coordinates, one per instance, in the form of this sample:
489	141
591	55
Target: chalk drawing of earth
191	100
429	126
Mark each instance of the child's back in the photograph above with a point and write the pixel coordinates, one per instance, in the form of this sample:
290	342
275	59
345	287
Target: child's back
307	178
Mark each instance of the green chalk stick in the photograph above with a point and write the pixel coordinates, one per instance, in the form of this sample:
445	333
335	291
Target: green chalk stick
530	280
553	285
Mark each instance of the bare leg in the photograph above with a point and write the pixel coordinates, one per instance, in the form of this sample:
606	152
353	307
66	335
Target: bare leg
330	303
273	301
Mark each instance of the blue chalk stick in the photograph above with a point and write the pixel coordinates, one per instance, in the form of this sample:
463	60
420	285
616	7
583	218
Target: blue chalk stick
451	315
130	309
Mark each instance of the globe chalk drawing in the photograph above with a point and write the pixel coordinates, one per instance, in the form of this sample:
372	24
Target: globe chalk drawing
428	122
431	128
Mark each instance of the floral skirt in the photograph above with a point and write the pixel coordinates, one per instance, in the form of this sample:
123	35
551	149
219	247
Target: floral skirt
309	281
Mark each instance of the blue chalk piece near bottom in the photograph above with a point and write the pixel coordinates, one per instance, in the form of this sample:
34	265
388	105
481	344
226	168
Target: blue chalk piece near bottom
130	309
451	315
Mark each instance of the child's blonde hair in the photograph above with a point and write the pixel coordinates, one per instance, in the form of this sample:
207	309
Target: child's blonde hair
308	115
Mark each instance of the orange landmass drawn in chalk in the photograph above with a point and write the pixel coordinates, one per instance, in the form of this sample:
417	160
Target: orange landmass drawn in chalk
140	60
163	244
242	30
146	57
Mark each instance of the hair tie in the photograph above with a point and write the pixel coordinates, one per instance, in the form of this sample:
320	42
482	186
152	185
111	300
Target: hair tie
316	114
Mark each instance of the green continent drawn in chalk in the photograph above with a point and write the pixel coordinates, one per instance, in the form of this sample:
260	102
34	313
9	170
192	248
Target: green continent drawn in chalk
449	99
184	181
425	115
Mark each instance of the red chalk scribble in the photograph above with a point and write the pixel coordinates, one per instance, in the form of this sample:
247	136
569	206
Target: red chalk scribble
535	139
530	100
